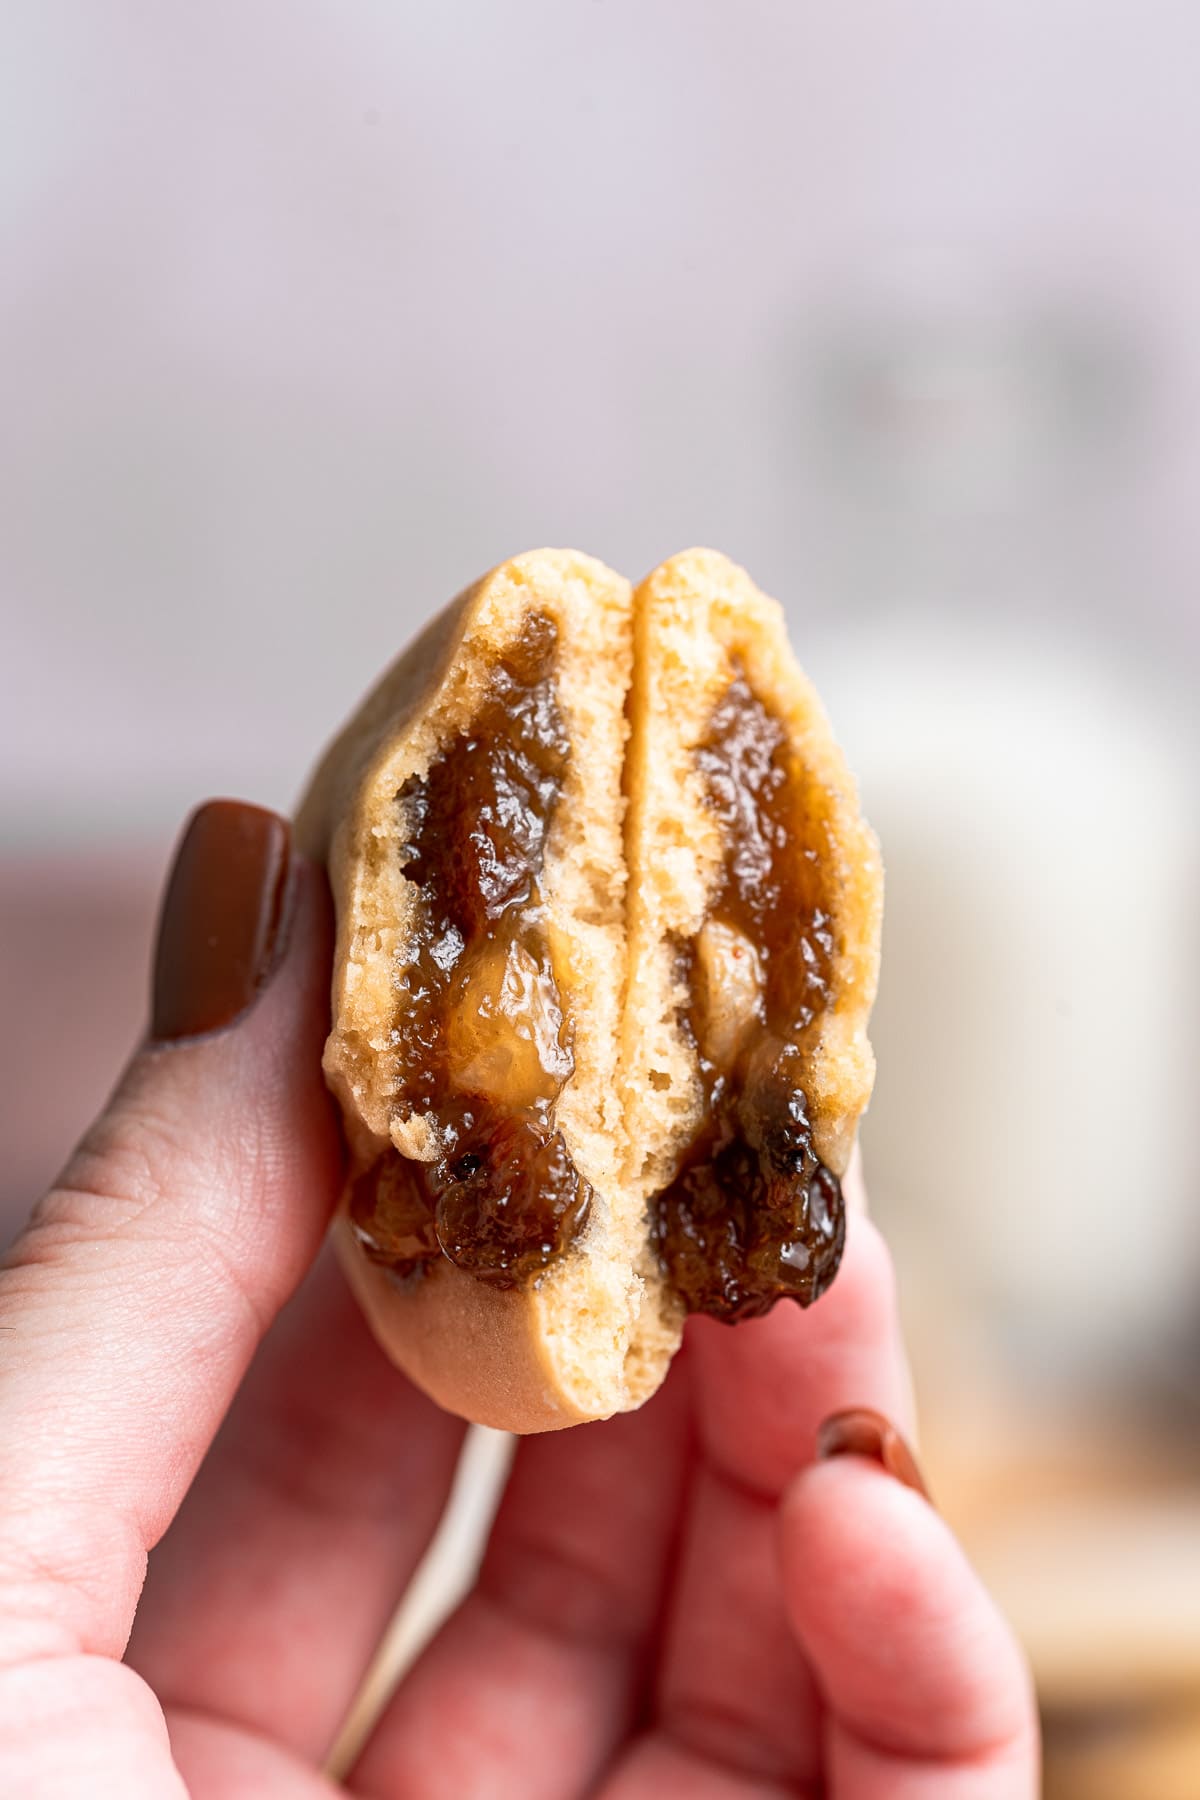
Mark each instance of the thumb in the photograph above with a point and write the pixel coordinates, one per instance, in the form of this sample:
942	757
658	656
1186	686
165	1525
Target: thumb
132	1303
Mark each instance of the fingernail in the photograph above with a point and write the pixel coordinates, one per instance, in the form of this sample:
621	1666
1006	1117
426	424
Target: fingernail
861	1432
223	921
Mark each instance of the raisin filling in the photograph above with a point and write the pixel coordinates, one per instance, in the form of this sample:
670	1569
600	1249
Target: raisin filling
752	1214
482	1043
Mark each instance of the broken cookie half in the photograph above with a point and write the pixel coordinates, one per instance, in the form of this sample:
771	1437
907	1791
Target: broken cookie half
608	924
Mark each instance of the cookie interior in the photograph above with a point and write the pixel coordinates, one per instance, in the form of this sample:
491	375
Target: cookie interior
752	929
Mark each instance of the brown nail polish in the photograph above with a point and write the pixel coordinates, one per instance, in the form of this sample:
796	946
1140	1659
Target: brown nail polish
221	928
861	1432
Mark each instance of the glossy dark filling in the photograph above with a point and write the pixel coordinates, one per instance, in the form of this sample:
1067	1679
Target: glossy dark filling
483	1048
753	1215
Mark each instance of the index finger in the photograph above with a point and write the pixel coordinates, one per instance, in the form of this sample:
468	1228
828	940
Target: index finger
132	1304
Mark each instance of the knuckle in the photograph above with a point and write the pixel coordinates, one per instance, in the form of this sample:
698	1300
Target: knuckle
124	1166
136	1182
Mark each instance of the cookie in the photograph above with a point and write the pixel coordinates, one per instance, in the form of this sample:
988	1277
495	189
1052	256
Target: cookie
608	927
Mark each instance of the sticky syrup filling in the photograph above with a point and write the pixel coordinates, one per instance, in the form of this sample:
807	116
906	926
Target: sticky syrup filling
482	1038
752	1215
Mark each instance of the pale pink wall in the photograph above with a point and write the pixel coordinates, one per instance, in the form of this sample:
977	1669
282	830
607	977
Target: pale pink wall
311	312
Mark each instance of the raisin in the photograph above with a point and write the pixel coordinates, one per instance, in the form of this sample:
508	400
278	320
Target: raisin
513	1202
390	1214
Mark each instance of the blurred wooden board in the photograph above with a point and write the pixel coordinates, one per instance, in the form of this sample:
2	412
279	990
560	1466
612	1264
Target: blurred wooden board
1155	1758
1086	1528
1104	1592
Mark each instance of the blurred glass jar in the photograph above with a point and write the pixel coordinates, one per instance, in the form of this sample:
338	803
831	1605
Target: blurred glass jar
1028	756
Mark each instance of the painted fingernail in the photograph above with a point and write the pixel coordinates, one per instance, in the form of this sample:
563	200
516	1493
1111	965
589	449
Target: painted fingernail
224	917
861	1432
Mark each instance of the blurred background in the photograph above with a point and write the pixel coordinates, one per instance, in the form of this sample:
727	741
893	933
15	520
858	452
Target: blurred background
311	313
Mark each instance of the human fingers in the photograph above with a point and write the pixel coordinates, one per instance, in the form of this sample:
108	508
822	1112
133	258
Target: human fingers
534	1683
928	1695
269	1593
130	1306
763	1388
735	1687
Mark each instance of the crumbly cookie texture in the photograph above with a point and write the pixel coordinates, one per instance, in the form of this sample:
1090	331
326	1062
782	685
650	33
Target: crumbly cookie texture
699	618
631	856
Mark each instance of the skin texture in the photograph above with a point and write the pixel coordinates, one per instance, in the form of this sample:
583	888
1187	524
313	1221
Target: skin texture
678	1601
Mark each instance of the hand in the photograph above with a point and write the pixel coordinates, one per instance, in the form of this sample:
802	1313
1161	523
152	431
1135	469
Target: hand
681	1601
